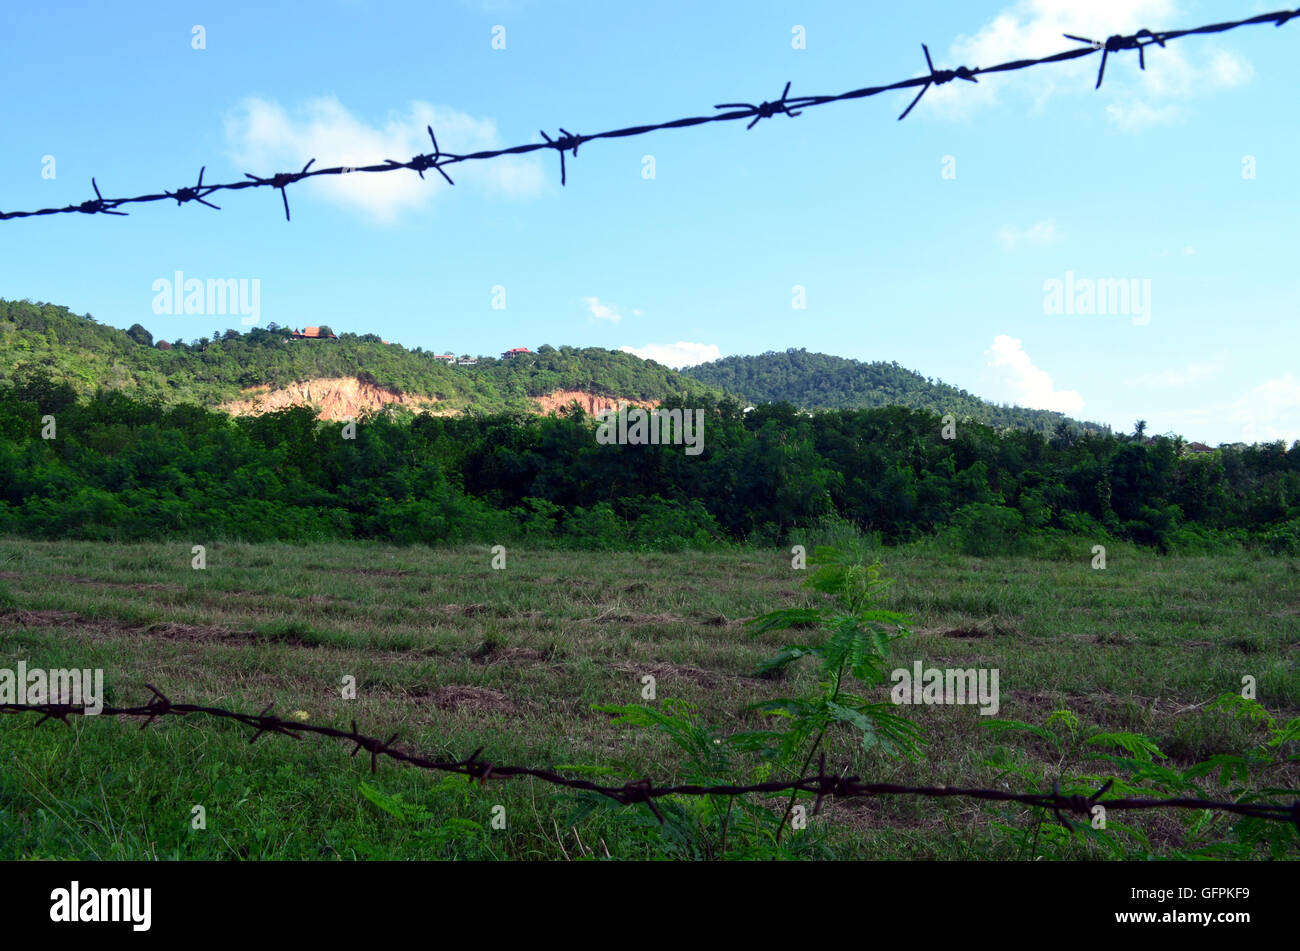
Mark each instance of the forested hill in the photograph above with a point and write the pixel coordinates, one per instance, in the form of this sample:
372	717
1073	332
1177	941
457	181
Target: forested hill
212	371
813	381
231	369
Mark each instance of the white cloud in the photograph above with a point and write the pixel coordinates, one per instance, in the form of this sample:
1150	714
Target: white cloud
676	355
1265	413
604	311
1040	233
263	137
1028	385
1269	411
1034	28
1194	373
1230	70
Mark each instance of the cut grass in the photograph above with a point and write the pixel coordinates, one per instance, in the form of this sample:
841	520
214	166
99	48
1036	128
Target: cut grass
453	656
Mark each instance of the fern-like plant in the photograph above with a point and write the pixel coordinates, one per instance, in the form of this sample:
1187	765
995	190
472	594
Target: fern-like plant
853	646
1137	770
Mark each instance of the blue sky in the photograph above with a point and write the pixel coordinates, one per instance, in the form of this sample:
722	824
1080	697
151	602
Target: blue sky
931	241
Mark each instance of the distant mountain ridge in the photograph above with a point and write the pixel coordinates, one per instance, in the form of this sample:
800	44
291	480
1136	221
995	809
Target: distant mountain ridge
264	369
819	381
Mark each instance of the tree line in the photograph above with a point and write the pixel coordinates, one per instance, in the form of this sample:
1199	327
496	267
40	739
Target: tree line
118	467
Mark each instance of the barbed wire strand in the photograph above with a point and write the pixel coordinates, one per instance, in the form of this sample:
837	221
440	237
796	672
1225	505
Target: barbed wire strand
569	142
644	790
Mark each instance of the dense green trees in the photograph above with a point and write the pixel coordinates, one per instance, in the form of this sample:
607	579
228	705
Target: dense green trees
134	457
821	381
120	467
212	371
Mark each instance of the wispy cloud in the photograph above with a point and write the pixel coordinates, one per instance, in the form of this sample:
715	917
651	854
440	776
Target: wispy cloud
604	311
1026	384
1034	28
1265	413
1194	373
1039	234
677	355
264	137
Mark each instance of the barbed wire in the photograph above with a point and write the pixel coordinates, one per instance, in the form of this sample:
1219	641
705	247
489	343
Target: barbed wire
566	141
822	784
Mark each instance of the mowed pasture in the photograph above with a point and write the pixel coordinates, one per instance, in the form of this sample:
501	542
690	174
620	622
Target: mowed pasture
454	655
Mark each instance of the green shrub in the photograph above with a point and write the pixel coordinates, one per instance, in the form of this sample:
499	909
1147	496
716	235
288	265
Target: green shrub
1284	539
597	528
983	530
669	525
836	532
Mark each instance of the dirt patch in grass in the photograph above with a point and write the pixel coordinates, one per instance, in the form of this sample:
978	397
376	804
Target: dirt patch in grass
95	582
1112	639
867	814
168	630
721	620
384	572
665	671
626	617
1036	700
468	697
475	610
489	653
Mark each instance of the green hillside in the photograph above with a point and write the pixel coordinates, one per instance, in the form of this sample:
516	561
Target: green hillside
813	381
51	340
208	372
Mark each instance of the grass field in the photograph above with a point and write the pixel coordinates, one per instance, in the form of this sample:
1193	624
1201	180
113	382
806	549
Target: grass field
454	655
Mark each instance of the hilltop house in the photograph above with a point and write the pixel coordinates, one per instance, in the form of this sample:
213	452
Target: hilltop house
468	361
444	357
515	352
312	333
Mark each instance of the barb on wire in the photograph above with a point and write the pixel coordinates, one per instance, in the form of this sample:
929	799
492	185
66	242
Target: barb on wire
938	78
282	180
100	205
764	110
644	791
182	195
425	161
567	141
1116	43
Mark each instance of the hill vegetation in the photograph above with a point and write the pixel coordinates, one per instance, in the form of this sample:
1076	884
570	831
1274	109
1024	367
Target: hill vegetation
815	381
116	468
225	368
211	371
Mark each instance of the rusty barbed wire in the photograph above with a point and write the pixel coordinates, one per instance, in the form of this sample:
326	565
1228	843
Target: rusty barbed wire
821	784
569	142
